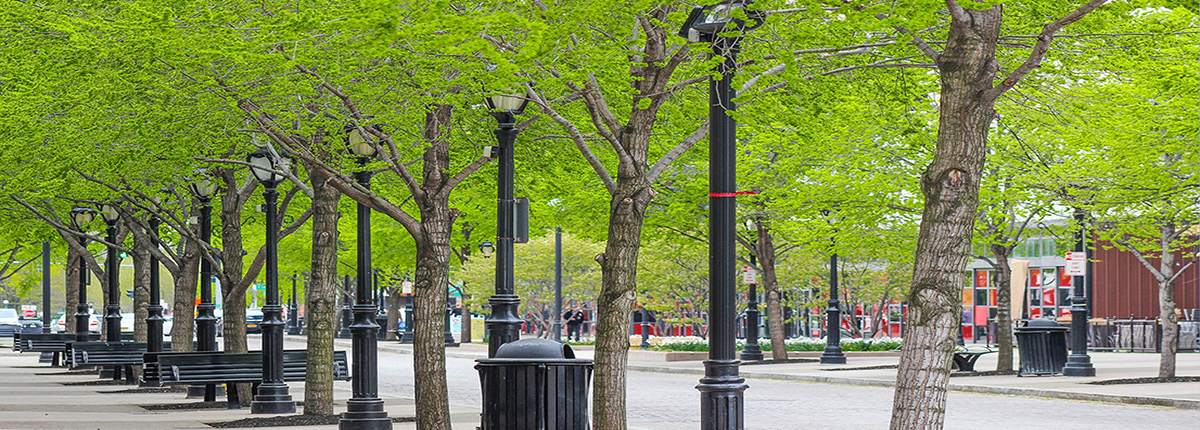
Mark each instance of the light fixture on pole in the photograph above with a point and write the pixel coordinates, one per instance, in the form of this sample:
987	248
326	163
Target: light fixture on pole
833	312
365	409
273	397
503	324
1079	363
204	188
80	218
112	270
722	390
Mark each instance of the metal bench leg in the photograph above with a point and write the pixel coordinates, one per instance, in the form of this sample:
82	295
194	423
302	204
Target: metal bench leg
231	393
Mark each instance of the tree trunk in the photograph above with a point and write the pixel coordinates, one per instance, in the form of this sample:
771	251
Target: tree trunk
951	188
321	296
429	344
618	292
1004	321
233	295
466	319
1166	306
184	322
141	291
770	284
393	315
71	284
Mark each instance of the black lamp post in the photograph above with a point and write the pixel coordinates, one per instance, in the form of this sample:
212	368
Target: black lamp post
154	317
365	409
273	397
45	287
722	390
1079	363
833	319
293	321
80	218
347	313
645	328
206	320
112	268
558	298
752	351
503	323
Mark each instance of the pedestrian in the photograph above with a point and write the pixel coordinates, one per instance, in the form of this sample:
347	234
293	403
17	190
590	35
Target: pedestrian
574	318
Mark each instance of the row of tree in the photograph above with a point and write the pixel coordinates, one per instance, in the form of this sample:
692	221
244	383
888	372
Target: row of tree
867	130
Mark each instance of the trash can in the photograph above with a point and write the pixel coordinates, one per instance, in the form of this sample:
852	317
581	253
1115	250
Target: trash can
535	384
1043	346
381	320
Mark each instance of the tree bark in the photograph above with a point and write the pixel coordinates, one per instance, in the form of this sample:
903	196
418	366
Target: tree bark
322	296
184	306
141	290
618	292
393	315
766	261
429	345
71	284
1004	321
951	188
1166	305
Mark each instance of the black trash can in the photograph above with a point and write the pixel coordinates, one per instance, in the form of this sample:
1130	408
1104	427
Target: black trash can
1043	346
535	384
381	321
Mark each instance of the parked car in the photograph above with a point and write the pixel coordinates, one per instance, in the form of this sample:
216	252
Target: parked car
10	322
60	325
254	319
31	325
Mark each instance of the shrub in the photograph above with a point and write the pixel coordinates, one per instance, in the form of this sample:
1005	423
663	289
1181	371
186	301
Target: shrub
799	345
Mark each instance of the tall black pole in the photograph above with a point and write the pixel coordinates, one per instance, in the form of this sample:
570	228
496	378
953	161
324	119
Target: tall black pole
407	337
752	351
206	318
503	324
1079	363
722	390
365	409
112	310
82	317
833	319
447	335
154	317
293	321
558	298
273	397
645	313
347	311
45	287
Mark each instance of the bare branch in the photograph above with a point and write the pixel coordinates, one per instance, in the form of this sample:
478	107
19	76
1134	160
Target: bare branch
1039	49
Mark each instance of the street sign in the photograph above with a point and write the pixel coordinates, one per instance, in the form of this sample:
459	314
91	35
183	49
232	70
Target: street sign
30	311
748	276
1076	264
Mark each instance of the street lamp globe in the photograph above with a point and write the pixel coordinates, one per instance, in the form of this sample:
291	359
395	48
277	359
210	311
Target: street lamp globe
359	144
704	22
265	165
204	187
109	212
507	107
81	217
487	248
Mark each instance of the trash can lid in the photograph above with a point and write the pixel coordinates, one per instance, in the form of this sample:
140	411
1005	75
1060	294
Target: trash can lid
535	348
1043	323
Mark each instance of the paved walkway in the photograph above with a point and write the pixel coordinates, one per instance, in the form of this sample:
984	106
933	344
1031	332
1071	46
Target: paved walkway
33	396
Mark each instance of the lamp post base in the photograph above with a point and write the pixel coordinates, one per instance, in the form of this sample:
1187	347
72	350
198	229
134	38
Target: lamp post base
1079	365
752	352
722	396
273	399
365	414
833	355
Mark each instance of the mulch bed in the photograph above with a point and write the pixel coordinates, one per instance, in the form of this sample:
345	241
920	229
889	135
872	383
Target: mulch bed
97	382
150	390
881	366
790	360
290	420
186	406
1152	380
985	373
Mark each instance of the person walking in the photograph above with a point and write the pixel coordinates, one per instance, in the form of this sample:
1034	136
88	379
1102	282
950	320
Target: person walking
574	318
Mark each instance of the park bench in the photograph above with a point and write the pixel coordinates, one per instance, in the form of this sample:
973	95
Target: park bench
116	354
203	368
965	358
55	343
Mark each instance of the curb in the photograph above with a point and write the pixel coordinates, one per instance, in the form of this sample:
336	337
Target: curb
978	389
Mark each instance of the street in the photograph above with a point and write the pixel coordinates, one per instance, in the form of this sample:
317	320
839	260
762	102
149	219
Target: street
666	401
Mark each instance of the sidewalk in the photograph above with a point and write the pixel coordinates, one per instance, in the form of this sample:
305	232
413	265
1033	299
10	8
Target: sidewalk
33	396
872	369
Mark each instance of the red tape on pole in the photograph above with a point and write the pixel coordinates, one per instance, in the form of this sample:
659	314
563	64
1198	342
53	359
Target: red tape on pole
731	194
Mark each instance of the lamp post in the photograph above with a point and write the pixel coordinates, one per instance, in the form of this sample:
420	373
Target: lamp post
347	312
722	390
206	320
45	287
752	351
645	328
503	324
406	292
1079	363
273	397
154	317
558	298
365	409
833	319
112	268
293	322
80	218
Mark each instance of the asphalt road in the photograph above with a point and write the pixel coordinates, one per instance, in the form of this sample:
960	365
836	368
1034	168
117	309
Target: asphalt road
663	401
